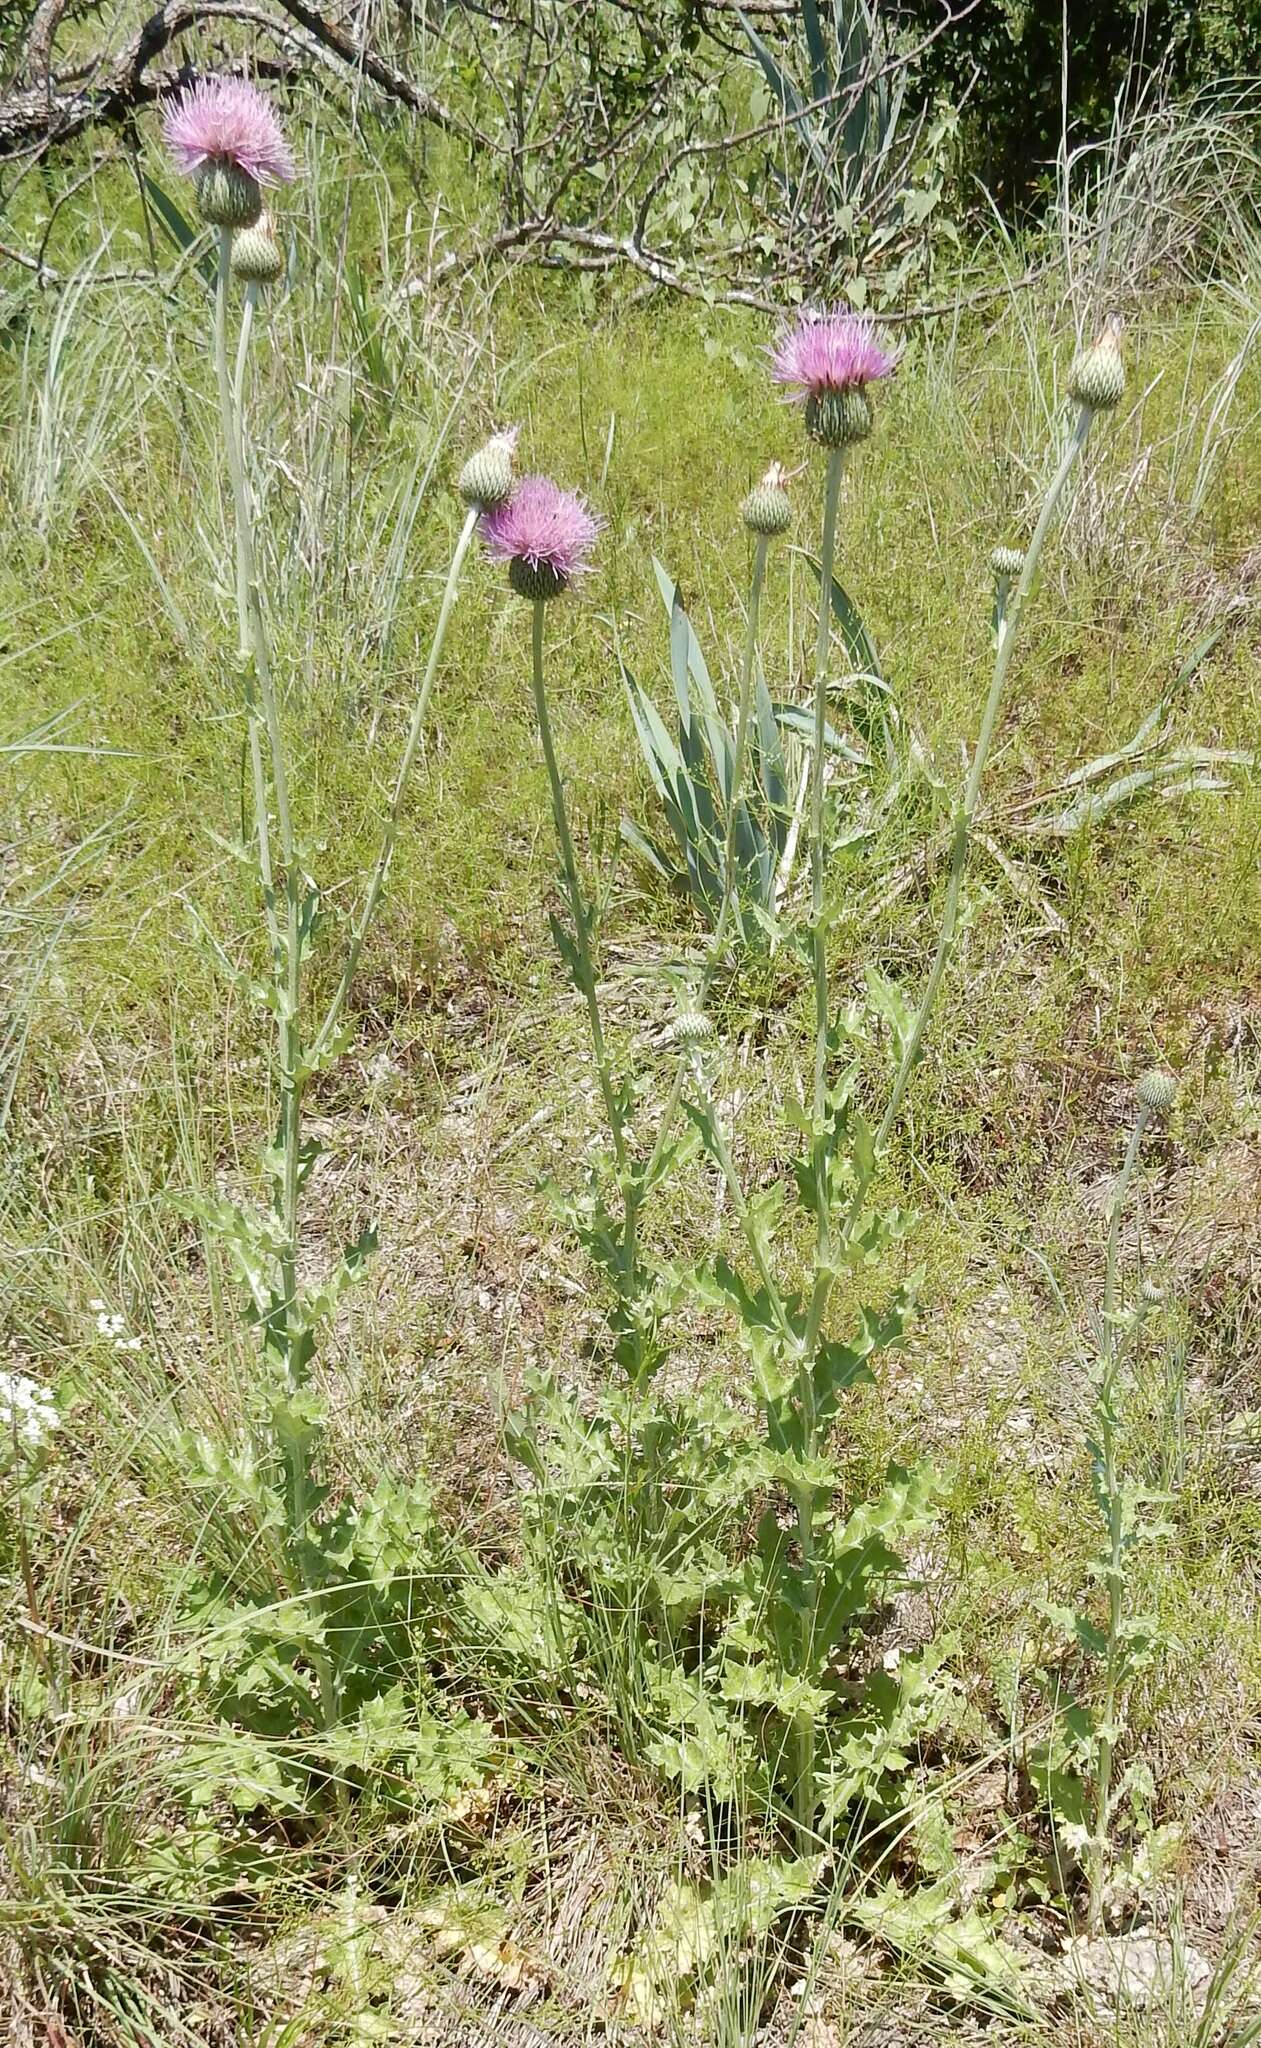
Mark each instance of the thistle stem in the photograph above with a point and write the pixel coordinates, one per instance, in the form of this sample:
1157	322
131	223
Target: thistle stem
256	667
578	908
804	1496
228	412
1111	1493
972	793
389	837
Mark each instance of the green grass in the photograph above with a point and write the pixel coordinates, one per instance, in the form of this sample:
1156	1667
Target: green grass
139	1073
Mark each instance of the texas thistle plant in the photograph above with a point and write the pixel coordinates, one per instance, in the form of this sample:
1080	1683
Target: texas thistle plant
742	1660
808	1593
225	135
545	536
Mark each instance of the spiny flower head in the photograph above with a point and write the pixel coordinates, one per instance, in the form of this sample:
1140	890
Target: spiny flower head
257	257
223	135
1157	1092
692	1027
1007	564
830	352
828	360
486	478
544	534
767	510
1097	378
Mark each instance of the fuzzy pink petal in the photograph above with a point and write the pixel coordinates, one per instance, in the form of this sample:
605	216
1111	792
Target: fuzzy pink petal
541	523
229	120
830	352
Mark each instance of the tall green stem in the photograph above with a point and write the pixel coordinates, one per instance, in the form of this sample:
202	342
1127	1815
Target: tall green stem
389	837
577	906
260	690
1111	1492
804	1730
228	410
823	644
972	794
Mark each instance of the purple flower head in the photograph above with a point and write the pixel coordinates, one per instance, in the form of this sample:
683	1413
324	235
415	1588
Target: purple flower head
543	533
826	352
226	121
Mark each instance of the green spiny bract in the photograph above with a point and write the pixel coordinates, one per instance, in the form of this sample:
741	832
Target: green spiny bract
257	257
228	197
692	1027
1157	1092
1007	564
1097	378
767	510
535	580
836	418
486	479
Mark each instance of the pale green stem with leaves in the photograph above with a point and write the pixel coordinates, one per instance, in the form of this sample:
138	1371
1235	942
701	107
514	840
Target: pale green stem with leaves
573	888
1110	1489
972	792
389	838
228	411
804	1732
287	948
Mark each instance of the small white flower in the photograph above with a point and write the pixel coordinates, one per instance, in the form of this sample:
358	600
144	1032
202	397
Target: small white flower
26	1409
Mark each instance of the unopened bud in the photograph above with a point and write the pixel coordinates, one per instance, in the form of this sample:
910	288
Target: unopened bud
486	479
1097	378
1156	1092
257	257
692	1027
1007	564
767	509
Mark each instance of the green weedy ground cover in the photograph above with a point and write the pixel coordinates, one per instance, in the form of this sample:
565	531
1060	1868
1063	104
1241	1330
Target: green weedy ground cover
197	1898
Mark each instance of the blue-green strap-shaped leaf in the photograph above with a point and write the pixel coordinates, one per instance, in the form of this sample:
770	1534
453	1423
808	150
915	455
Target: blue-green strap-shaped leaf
784	90
858	641
820	71
178	228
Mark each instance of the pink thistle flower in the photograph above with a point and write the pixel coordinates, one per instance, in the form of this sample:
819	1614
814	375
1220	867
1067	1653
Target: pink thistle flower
544	534
829	359
227	123
829	352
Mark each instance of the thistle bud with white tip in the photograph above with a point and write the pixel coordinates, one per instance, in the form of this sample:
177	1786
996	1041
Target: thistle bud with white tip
692	1027
1007	564
486	479
257	257
1097	378
767	510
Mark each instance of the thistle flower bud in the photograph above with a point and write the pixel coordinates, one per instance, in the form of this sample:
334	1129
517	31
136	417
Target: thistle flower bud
257	257
1156	1091
227	195
692	1027
1007	564
486	479
836	418
767	510
1097	378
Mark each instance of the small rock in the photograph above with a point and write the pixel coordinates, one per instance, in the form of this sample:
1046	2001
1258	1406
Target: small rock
1134	1969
